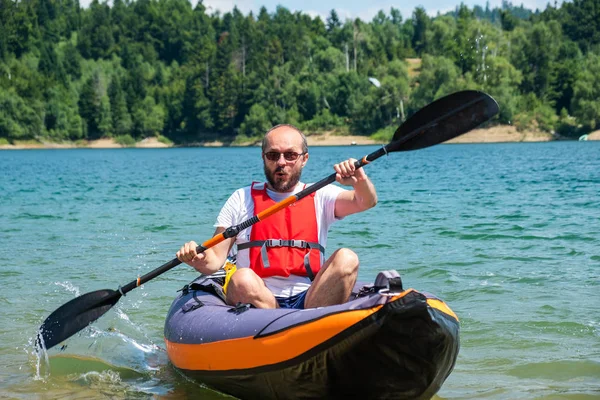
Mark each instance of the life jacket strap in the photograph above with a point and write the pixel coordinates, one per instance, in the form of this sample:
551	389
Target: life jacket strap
300	244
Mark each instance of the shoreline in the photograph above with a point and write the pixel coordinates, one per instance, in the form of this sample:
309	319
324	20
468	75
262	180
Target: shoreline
496	134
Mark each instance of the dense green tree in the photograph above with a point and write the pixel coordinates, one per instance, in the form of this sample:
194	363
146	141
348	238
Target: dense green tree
333	22
18	119
147	67
308	97
136	84
539	51
256	122
381	105
329	60
95	39
7	28
501	81
466	37
50	65
534	114
343	91
586	92
421	24
94	107
121	118
564	72
25	30
171	95
46	12
72	61
508	21
196	107
224	87
148	118
62	120
581	22
439	76
441	37
104	118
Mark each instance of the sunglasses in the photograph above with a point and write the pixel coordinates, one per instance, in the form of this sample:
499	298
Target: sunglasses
288	155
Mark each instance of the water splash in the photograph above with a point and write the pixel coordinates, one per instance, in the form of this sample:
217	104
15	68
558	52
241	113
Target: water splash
481	48
117	341
109	377
69	287
121	314
41	357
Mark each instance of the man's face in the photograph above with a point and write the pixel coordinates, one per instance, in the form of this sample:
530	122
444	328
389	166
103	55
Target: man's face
281	173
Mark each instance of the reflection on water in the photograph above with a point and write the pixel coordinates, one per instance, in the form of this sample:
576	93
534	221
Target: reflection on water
98	363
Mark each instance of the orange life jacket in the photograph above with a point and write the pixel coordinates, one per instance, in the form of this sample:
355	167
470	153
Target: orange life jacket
288	241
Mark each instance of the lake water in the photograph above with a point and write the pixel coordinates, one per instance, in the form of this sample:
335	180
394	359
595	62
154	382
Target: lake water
507	234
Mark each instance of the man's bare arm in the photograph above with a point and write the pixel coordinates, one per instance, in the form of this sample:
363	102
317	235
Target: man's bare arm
210	260
362	196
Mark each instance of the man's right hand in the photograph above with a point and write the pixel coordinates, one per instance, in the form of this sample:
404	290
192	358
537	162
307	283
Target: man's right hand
187	254
211	260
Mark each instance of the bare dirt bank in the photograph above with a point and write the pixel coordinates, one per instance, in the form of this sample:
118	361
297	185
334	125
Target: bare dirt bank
500	134
148	143
594	135
105	143
335	140
496	134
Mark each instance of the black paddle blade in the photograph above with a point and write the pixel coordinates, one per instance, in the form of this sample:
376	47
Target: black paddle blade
444	119
75	315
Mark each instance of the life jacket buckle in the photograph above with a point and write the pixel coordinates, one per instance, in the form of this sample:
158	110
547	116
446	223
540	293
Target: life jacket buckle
274	242
300	244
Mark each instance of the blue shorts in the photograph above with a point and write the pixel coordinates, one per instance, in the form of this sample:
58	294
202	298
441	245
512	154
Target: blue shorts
296	301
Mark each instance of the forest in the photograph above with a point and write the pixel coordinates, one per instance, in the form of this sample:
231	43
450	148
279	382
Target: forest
134	69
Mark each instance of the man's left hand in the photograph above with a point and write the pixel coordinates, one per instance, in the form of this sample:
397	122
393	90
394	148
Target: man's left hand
347	174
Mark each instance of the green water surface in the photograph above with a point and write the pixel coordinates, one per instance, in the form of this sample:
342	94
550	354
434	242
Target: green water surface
507	234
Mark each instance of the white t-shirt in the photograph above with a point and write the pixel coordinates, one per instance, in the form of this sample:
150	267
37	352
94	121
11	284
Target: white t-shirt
240	207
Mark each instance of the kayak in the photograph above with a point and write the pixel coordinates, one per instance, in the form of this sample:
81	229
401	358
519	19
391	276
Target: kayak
384	343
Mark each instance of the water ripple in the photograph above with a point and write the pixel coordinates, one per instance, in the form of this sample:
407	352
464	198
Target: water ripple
507	234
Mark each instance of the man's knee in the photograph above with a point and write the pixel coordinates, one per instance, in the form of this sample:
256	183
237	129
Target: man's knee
247	287
244	280
243	286
346	261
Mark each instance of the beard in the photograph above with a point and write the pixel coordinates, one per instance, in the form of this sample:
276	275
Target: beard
279	185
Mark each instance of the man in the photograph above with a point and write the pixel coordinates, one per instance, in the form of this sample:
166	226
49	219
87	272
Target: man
278	257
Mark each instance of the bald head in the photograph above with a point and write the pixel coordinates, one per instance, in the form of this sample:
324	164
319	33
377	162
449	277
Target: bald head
287	131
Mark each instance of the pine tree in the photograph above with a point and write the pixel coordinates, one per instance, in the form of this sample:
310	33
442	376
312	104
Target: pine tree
121	119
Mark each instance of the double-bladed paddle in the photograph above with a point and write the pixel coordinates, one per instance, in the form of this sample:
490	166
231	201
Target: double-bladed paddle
435	123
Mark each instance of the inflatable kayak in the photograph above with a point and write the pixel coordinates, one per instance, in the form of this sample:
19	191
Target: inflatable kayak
385	343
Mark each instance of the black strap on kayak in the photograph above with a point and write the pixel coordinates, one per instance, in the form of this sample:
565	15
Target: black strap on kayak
211	288
207	285
184	290
240	308
299	244
365	290
187	307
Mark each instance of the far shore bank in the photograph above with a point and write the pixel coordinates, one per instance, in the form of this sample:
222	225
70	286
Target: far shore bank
496	134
